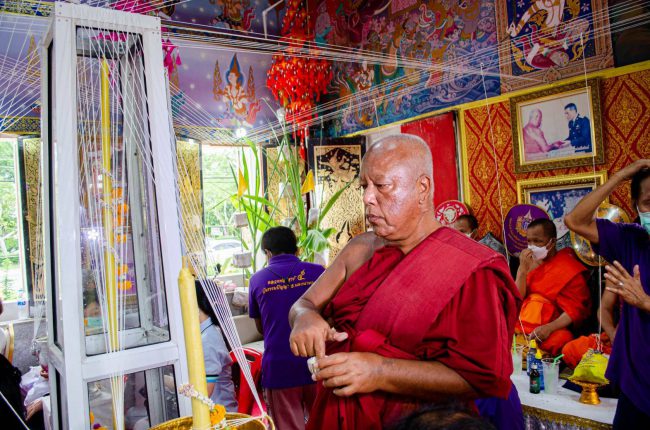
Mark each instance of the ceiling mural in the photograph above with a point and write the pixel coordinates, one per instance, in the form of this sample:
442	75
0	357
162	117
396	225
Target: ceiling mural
398	58
547	40
430	56
243	15
222	89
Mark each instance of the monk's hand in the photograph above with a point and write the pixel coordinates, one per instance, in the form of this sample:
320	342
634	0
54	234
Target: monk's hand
309	334
351	373
627	286
526	260
542	332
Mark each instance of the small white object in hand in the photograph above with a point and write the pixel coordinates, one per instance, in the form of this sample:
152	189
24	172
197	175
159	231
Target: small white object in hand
312	364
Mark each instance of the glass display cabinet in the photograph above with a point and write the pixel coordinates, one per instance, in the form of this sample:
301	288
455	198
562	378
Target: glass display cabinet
111	227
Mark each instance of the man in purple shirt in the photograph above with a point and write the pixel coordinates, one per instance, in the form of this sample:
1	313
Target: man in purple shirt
288	386
627	246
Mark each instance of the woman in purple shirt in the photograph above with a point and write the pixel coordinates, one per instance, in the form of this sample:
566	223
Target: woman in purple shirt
627	246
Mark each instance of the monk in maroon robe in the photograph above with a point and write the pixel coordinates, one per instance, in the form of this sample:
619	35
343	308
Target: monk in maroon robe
428	315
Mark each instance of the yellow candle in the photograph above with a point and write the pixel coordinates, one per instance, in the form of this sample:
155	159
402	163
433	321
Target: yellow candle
193	347
107	212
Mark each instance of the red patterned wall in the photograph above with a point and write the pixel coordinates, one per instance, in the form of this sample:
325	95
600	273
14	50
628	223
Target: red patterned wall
626	134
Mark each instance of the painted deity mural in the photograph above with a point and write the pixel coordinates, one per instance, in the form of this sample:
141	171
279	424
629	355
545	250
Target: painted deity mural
550	39
243	15
430	56
218	89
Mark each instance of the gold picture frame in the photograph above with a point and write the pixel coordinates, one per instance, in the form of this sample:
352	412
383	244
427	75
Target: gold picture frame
558	127
558	195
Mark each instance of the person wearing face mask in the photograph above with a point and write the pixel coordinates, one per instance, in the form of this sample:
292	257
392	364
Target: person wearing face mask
627	248
468	225
554	287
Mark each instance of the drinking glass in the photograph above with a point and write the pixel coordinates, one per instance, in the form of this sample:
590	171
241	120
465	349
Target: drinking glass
551	375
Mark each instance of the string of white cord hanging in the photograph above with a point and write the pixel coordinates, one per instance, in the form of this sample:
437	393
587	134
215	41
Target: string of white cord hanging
261	134
215	294
599	345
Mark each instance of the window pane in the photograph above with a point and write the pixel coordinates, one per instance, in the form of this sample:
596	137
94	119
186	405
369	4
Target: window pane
123	289
11	272
149	399
222	238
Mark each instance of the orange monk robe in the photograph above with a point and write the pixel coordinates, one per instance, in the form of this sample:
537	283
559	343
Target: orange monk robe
554	287
574	350
449	300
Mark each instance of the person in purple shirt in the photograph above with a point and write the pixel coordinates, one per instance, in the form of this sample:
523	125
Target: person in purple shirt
627	247
288	386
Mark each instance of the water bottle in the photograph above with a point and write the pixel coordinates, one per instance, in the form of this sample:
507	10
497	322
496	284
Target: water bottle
23	311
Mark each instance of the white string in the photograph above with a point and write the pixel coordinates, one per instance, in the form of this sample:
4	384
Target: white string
20	419
229	329
599	346
496	167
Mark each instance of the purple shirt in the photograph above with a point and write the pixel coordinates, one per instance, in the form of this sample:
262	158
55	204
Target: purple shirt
629	244
273	290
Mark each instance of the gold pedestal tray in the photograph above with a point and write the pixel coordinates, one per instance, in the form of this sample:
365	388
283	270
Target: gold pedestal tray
589	396
185	423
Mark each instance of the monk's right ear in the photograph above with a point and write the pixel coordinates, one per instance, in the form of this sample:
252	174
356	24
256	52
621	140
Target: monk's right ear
425	188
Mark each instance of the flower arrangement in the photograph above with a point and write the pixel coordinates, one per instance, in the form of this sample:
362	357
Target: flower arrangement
217	412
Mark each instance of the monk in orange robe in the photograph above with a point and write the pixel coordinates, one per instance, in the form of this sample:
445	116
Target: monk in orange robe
426	315
554	288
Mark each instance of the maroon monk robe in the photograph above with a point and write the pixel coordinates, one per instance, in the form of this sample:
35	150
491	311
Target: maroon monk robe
450	300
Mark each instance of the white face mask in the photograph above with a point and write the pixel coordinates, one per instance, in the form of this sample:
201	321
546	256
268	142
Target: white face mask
644	218
539	252
469	234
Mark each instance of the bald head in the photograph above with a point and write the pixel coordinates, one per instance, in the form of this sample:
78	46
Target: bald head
397	180
405	150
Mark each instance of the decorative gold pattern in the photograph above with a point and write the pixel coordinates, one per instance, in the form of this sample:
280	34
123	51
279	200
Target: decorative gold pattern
597	157
562	419
32	163
189	168
335	167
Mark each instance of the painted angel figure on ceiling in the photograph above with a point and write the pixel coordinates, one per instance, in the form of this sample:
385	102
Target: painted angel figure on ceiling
543	38
235	14
241	101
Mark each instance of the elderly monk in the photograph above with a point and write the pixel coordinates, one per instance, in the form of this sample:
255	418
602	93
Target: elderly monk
424	314
554	288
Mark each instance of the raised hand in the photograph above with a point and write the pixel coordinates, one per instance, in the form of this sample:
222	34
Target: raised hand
628	287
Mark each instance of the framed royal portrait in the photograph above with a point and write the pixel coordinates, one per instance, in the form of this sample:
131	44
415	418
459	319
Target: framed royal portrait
558	195
557	128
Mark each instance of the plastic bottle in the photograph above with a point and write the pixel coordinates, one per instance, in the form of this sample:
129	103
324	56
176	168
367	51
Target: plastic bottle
535	386
530	357
540	368
23	311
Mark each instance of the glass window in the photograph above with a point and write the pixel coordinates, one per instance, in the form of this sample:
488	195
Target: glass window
12	285
219	185
149	398
124	303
